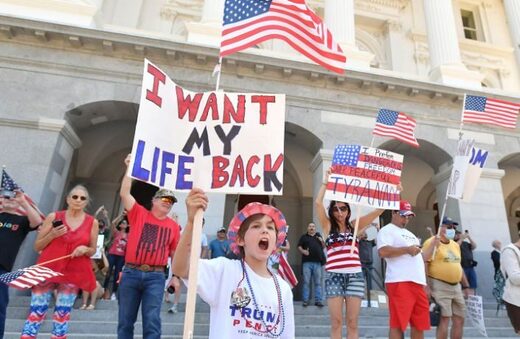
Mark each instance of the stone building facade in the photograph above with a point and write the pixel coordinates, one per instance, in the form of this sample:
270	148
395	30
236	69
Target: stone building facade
70	75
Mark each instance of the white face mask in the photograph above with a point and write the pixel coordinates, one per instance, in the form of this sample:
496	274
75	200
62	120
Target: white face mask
450	234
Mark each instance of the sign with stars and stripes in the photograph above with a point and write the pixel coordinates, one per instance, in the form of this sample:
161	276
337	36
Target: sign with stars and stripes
366	176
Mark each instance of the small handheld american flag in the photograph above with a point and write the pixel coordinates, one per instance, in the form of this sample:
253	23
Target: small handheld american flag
286	272
28	277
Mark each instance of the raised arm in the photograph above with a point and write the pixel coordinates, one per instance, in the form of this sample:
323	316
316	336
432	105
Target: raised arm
34	217
195	200
126	184
320	208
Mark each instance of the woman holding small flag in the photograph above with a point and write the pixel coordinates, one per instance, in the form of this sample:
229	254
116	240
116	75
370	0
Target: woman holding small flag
72	236
344	280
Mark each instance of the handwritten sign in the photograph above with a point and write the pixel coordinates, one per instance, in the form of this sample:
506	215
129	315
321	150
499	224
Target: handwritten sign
476	314
366	176
220	142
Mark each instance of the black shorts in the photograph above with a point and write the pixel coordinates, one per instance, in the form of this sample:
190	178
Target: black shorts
513	312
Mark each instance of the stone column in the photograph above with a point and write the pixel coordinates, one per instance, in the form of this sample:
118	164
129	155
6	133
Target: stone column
208	30
339	19
446	64
512	8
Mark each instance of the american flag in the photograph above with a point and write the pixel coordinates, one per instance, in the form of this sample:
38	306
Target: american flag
285	271
8	184
366	176
249	22
28	277
396	125
490	111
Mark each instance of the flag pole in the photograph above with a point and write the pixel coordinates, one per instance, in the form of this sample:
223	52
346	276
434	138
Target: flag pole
218	70
53	260
356	226
462	117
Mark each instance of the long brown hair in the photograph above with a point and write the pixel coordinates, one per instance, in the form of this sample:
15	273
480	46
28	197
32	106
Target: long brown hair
334	226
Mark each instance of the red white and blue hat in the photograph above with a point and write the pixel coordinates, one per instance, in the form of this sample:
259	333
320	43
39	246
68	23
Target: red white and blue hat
252	209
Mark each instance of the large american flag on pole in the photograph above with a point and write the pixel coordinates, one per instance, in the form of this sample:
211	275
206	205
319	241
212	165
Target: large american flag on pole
286	272
250	22
9	185
366	176
396	125
490	111
28	277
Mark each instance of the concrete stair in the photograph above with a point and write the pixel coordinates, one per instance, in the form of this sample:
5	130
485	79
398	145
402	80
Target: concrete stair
311	322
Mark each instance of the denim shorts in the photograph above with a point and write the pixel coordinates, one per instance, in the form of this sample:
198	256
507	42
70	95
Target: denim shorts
344	285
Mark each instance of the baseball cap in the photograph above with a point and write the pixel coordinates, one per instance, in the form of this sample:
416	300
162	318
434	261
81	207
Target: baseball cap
163	192
449	221
251	209
405	209
222	229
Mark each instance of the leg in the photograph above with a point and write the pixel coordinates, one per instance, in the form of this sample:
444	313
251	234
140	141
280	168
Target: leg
457	327
336	316
131	288
317	282
111	264
353	308
84	298
442	329
60	319
4	301
40	298
395	333
307	272
119	263
416	334
151	308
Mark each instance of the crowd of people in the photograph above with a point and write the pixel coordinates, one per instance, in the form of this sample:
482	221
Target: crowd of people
144	258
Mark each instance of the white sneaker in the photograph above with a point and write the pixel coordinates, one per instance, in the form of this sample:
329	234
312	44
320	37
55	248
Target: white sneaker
113	297
173	309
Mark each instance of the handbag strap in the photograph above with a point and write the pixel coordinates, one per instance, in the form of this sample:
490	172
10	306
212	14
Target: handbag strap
516	250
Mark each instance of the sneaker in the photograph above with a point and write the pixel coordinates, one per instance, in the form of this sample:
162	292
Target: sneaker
113	297
173	309
305	304
319	304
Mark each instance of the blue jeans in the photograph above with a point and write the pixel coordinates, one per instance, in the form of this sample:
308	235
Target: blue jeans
312	269
145	289
115	265
4	301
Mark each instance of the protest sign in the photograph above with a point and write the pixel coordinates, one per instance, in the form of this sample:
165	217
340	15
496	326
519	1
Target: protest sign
475	313
99	247
365	176
477	161
217	141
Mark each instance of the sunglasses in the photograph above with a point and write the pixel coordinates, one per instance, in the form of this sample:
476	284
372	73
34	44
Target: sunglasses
167	200
340	208
79	197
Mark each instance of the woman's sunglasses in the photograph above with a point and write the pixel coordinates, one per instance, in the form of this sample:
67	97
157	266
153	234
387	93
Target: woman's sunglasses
340	208
167	200
79	197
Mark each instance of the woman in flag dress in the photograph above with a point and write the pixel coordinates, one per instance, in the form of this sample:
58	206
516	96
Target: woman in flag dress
344	282
71	234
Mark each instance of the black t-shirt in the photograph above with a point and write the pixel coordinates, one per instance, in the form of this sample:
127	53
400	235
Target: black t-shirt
466	255
312	244
365	251
13	230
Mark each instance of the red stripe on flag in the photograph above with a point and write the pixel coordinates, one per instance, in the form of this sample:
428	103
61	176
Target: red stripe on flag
285	271
360	191
381	161
366	174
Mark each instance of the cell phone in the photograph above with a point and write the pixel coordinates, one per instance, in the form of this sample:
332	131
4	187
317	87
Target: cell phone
171	289
56	223
466	231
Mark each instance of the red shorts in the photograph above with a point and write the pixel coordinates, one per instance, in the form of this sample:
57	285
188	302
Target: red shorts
408	304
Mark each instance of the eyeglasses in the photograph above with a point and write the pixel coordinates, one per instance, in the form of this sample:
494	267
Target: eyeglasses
450	227
167	200
79	197
340	208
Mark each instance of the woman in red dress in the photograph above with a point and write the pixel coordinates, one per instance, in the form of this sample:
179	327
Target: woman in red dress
71	232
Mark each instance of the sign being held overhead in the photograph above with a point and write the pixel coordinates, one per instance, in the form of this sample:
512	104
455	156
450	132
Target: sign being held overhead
220	142
366	176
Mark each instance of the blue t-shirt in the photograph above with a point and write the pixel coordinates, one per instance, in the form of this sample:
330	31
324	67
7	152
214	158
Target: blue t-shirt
219	248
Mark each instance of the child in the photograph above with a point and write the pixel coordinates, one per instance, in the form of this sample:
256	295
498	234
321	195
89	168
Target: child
246	299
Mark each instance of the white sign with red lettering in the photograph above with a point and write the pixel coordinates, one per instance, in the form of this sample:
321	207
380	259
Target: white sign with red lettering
217	141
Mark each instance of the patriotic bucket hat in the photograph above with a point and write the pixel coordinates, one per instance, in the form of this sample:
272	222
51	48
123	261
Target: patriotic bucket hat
252	209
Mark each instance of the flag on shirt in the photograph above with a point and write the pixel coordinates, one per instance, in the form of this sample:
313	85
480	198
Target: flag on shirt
490	111
250	22
28	277
285	271
396	125
366	176
8	184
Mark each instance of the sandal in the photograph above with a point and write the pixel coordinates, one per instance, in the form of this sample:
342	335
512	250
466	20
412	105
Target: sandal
83	307
91	307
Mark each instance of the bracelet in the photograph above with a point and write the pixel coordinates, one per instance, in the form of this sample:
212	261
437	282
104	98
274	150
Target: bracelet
465	287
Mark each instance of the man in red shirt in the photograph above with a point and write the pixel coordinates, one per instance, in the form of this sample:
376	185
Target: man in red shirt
152	239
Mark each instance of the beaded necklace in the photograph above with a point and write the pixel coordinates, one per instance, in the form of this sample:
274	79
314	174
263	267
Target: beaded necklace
280	305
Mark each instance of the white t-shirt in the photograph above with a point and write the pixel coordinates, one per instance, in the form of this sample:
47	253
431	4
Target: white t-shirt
218	278
404	267
203	240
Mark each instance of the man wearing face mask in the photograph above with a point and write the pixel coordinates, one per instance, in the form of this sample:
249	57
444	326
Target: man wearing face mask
447	281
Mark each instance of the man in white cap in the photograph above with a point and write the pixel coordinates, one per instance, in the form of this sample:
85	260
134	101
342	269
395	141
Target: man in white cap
405	275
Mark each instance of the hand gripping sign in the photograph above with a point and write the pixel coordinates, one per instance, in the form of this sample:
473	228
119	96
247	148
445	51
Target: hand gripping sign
217	141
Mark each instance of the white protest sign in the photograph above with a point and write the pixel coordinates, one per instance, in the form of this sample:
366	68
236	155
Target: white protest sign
220	142
475	313
99	247
365	176
477	161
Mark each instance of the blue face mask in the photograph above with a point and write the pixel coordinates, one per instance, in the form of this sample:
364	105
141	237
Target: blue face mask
450	234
